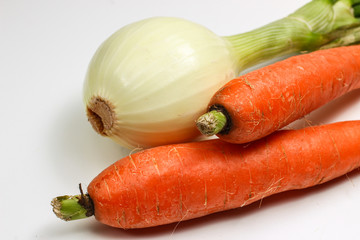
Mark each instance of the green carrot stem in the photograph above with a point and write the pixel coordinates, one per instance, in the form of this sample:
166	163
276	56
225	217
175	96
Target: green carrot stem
73	207
307	29
211	123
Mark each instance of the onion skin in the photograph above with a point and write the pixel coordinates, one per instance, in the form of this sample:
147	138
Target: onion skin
157	80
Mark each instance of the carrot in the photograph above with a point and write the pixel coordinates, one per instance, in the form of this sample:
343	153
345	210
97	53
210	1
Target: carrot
183	181
260	102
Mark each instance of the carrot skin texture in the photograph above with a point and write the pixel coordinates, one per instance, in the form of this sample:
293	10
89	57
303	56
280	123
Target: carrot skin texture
177	182
267	99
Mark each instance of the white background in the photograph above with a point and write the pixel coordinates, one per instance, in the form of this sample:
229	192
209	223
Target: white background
47	146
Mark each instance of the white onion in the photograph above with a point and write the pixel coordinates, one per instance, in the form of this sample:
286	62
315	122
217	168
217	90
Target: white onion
156	76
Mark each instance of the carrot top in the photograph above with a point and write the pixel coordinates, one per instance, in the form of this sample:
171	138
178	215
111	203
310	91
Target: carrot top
73	207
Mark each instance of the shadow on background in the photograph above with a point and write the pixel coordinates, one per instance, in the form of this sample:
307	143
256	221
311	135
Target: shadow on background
77	152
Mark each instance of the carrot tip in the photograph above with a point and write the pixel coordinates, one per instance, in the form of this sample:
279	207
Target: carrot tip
211	123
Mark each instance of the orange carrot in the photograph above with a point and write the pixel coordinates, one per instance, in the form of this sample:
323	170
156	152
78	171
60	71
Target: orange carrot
183	181
260	102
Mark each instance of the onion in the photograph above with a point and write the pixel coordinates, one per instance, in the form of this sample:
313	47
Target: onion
148	83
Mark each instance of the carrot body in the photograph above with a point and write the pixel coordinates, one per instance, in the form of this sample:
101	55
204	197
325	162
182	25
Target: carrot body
267	99
183	181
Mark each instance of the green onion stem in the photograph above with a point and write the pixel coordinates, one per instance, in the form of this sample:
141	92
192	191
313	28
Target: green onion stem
344	37
357	10
355	2
307	29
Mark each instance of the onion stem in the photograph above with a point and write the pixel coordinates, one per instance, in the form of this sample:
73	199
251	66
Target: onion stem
315	24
